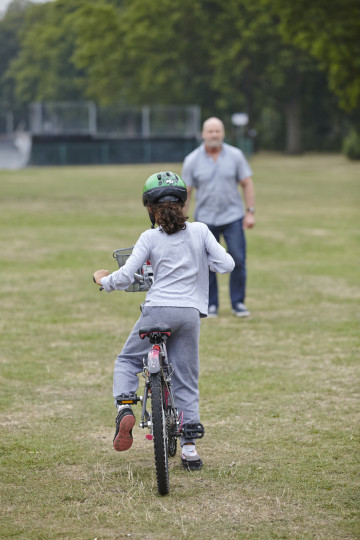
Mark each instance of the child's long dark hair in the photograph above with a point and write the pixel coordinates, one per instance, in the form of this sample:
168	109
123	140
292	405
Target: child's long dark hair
170	216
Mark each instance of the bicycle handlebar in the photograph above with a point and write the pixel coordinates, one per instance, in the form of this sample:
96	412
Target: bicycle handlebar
138	277
144	280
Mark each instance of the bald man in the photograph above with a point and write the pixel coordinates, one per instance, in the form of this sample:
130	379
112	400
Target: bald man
216	169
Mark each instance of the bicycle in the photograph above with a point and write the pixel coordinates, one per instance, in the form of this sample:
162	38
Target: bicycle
164	421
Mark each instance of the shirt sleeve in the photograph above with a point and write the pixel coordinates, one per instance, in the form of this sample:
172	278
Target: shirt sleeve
187	171
243	167
218	259
121	279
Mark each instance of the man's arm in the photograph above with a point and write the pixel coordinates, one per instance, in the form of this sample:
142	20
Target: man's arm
249	198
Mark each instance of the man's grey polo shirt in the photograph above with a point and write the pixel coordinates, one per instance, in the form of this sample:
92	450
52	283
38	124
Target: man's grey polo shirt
218	200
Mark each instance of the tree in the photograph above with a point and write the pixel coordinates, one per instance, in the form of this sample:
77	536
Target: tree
43	69
146	52
254	68
328	31
10	27
98	52
225	56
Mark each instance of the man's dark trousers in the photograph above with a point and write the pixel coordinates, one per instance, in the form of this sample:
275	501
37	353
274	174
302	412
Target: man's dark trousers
234	237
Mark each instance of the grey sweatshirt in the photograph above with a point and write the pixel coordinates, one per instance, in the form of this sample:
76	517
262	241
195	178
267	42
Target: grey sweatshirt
180	263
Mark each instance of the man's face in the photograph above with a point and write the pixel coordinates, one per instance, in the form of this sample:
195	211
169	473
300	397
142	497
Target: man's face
213	134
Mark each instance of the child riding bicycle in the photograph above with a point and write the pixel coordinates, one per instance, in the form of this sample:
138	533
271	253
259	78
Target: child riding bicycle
180	254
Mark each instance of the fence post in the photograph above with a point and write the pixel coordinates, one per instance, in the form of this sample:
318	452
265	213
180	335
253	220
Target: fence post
92	118
105	153
145	121
63	153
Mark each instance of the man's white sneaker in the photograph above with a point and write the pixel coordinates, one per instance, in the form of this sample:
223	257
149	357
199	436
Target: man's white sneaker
212	312
240	310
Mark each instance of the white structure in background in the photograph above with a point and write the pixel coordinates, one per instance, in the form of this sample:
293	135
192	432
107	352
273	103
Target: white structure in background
15	146
240	120
22	142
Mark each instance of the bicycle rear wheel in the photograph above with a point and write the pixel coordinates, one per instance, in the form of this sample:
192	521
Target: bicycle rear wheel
160	434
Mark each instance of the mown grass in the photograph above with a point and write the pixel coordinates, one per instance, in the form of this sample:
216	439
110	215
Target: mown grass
279	391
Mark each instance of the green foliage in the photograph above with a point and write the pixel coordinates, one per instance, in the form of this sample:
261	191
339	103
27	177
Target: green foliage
43	69
10	27
148	52
255	69
173	53
98	50
170	52
351	145
330	33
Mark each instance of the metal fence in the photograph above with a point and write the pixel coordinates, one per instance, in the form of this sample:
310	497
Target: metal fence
78	118
69	133
86	118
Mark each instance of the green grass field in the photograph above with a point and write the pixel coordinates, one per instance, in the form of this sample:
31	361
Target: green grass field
279	391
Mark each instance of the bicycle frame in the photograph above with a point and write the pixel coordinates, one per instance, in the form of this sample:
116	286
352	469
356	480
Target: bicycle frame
157	362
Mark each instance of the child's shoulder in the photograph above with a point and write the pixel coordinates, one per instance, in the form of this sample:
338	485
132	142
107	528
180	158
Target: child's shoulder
151	236
148	232
197	226
148	235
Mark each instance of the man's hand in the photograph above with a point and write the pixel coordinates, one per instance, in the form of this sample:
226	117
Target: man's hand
100	274
249	221
249	197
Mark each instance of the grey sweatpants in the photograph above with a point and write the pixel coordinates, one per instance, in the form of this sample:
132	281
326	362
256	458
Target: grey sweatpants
183	351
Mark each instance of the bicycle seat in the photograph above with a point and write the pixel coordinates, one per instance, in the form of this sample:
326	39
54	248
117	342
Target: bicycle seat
160	328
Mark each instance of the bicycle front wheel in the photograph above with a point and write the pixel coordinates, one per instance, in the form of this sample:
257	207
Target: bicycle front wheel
159	434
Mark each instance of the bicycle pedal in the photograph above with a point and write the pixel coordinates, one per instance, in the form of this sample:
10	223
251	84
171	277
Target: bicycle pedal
127	399
193	431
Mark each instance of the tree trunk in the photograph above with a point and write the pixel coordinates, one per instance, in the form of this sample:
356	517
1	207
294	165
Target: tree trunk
293	126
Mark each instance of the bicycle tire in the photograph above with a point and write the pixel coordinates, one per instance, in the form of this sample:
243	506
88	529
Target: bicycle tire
159	434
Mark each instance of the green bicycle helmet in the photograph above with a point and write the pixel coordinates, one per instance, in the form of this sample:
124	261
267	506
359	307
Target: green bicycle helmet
164	186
